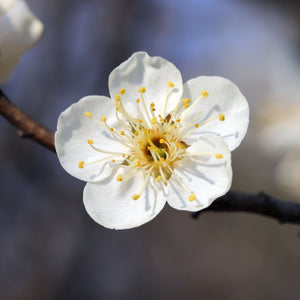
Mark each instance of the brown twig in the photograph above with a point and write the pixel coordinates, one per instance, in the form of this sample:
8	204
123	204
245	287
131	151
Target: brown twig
263	204
28	128
283	211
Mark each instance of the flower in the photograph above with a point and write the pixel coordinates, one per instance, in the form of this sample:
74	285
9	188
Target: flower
20	30
155	140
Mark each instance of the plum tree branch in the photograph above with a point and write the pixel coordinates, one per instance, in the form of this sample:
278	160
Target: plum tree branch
262	204
28	128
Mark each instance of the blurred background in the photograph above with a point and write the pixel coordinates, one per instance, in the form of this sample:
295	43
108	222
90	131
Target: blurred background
51	249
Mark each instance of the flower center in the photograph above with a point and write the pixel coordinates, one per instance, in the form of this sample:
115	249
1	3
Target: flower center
155	142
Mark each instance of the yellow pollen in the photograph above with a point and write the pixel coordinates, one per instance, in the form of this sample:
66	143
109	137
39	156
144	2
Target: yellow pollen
161	141
170	84
118	97
113	161
90	141
142	90
221	117
119	177
178	145
111	129
117	108
154	121
88	114
178	120
122	91
138	164
186	105
135	196
103	119
186	100
136	133
139	141
152	104
140	121
81	164
158	178
138	100
123	155
175	127
122	132
219	156
171	140
192	197
196	125
153	109
204	93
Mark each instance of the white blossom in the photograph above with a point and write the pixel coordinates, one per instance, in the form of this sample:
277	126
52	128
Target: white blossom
154	140
19	31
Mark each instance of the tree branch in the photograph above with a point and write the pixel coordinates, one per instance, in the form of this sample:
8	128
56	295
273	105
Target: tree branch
263	204
28	128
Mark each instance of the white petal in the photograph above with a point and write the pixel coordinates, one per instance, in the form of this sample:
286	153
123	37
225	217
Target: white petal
20	30
224	97
141	70
73	131
206	176
110	202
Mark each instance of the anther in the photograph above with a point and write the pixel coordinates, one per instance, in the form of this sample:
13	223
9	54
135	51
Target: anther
81	164
192	197
118	97
219	156
122	91
221	117
158	178
122	132
196	125
90	141
103	119
186	100
135	196
161	141
138	100
152	104
140	121
204	93
154	121
138	164
178	120
142	90
136	133
186	105
170	84
111	129
88	114
119	177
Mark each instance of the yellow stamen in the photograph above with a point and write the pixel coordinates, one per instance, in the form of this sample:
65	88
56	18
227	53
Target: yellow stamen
122	91
178	120
154	121
192	197
122	132
158	178
118	97
170	84
204	93
103	119
90	141
119	177
138	164
111	129
219	156
142	90
196	125
138	100
81	164
161	141
186	100
135	196
136	133
186	105
152	104
221	117
88	114
140	121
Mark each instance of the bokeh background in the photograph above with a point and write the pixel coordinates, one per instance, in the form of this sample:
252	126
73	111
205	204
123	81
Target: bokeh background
51	249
